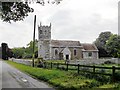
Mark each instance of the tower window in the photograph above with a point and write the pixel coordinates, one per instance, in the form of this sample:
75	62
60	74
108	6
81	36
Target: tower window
40	31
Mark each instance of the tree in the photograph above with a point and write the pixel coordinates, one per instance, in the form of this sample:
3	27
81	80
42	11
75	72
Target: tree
29	49
101	42
22	52
113	45
18	52
16	11
103	37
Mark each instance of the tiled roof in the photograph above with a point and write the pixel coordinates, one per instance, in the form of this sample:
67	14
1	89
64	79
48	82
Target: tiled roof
87	46
65	43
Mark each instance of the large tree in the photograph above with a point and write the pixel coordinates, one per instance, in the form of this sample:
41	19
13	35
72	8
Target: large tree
103	37
18	52
16	11
26	52
101	42
113	45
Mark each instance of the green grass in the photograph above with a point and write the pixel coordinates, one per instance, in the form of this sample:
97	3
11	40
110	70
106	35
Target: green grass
63	80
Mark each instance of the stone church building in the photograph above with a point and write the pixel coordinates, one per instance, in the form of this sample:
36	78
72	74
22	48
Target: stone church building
62	49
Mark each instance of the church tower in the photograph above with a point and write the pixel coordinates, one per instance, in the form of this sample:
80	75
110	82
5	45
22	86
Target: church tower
44	40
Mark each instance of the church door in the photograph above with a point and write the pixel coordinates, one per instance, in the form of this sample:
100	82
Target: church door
67	57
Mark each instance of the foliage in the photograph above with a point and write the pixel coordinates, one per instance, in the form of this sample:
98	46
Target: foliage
103	52
18	52
101	42
113	45
26	52
17	11
29	49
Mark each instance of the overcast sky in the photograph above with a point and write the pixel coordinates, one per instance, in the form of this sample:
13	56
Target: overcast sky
81	20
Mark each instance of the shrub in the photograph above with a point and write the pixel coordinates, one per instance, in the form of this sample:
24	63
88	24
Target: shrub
108	62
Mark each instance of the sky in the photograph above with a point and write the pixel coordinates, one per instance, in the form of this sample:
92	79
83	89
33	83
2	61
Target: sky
79	20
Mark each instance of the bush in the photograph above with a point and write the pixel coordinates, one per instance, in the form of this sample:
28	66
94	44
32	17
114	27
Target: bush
108	62
27	55
117	77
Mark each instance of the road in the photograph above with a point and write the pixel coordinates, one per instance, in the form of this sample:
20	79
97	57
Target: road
10	77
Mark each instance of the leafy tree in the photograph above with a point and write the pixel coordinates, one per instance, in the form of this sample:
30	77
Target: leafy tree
29	49
113	45
26	52
16	11
101	42
18	52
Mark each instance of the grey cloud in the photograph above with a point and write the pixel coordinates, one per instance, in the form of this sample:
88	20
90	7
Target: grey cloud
85	29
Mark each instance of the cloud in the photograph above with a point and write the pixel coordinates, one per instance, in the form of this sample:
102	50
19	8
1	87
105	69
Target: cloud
81	20
68	25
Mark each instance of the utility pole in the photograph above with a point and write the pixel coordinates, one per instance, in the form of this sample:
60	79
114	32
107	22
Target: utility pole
34	41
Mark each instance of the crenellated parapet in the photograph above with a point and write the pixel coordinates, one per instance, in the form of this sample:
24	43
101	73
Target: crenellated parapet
44	32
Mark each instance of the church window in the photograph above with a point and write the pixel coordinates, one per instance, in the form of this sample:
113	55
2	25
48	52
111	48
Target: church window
90	54
75	52
56	52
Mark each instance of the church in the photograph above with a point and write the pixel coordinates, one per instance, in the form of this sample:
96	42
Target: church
50	49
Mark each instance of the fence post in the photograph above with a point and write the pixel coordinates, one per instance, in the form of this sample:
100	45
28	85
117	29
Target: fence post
93	69
113	73
51	65
78	68
67	67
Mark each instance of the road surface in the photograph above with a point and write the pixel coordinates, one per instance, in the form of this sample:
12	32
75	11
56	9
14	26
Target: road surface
13	78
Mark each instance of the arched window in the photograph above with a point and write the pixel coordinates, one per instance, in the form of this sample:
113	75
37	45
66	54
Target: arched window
75	52
56	52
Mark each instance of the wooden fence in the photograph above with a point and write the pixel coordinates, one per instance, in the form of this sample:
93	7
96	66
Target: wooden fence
84	68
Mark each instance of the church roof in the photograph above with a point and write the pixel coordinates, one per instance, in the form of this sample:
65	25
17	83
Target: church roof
65	43
89	47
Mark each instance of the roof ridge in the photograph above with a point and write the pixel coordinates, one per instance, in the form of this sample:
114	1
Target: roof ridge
66	40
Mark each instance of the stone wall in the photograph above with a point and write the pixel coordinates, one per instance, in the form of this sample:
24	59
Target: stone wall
97	61
22	61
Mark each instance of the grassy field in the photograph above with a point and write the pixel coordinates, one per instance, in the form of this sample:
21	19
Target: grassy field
64	80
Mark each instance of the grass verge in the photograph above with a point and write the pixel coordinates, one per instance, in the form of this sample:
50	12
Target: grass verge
61	79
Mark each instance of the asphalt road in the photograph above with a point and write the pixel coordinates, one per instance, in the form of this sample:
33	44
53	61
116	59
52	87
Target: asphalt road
10	77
